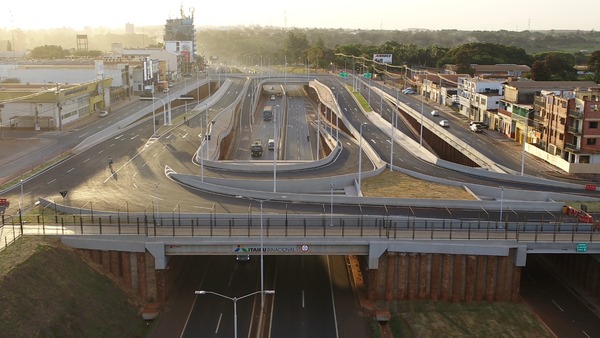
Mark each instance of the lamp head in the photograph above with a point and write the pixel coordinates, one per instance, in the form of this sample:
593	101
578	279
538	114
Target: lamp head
201	292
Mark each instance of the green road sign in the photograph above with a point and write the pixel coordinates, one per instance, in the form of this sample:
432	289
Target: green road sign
581	247
367	75
344	74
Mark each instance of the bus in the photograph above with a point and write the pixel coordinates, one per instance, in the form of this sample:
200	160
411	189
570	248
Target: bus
268	113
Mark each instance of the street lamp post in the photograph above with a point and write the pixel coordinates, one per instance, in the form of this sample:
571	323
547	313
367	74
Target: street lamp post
331	213
360	156
501	201
276	150
262	269
164	110
234	300
421	132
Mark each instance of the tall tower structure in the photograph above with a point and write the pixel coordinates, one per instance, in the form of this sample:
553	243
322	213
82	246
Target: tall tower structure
180	37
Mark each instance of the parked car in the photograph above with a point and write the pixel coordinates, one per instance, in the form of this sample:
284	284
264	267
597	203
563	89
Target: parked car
166	90
476	128
445	123
103	113
435	113
483	125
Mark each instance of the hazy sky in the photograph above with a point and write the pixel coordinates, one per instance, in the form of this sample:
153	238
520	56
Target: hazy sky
383	14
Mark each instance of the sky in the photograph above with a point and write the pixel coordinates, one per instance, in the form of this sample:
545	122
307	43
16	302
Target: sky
513	15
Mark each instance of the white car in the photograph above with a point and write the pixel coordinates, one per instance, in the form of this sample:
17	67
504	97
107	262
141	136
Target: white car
272	97
103	114
435	113
408	91
445	123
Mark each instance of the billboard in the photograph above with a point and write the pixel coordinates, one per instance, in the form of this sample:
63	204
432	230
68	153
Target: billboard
383	58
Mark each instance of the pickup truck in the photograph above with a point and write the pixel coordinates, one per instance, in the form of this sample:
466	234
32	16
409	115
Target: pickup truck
256	148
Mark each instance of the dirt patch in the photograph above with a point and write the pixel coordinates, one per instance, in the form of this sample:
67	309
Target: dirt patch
395	184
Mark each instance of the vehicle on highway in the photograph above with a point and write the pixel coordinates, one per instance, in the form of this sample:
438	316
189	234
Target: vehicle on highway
256	148
272	97
408	91
476	128
166	90
445	123
435	113
268	113
242	258
103	113
271	144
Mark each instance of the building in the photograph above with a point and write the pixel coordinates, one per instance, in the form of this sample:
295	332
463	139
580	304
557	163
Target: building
517	111
478	99
570	128
493	71
51	106
180	39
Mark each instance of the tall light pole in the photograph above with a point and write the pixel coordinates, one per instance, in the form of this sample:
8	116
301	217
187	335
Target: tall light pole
262	268
331	213
234	300
501	201
164	109
394	118
275	149
360	156
523	153
421	132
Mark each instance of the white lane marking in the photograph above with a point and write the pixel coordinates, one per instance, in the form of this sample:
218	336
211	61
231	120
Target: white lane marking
87	159
118	137
70	170
585	333
135	185
51	181
135	136
303	305
337	332
218	323
83	135
112	145
558	306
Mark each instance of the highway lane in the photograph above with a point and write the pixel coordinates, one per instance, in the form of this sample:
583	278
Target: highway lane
555	303
491	143
212	315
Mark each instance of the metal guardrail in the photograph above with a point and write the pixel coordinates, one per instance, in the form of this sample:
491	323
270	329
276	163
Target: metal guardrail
317	226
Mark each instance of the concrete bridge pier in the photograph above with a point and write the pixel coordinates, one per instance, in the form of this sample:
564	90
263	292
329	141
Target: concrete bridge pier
136	271
446	277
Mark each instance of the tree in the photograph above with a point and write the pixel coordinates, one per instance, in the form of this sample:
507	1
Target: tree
554	66
49	52
296	46
594	66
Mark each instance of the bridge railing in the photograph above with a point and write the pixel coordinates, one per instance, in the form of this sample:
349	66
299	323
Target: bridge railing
274	226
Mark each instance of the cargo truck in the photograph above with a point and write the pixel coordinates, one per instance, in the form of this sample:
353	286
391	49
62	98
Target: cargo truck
256	148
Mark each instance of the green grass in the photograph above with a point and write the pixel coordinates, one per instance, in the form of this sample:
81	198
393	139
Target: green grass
361	100
49	291
439	319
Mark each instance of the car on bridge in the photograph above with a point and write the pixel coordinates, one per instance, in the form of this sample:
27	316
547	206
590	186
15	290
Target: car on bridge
445	123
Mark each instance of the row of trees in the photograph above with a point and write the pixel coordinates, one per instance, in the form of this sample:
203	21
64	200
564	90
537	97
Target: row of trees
297	47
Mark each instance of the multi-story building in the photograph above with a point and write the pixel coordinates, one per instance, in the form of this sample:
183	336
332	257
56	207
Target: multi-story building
517	111
570	128
478	99
180	38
